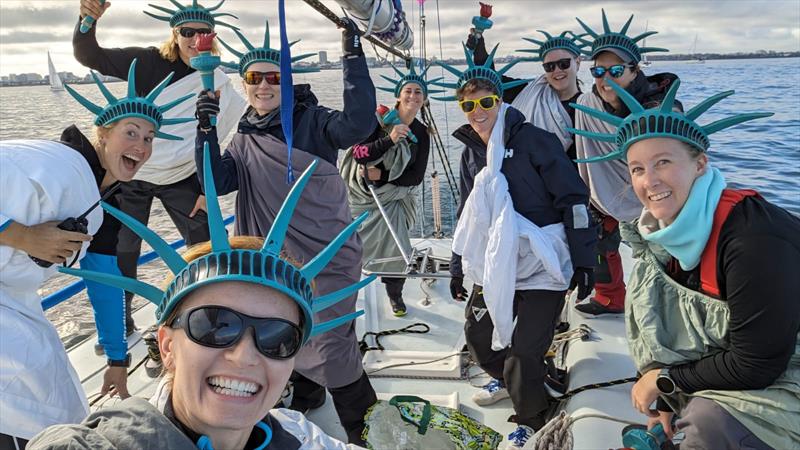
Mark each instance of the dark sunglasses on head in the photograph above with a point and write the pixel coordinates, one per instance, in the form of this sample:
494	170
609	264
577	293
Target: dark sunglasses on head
486	103
254	78
221	327
615	71
562	64
189	32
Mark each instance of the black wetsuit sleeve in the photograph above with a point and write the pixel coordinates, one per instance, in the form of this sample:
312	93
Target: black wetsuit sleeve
373	147
757	278
226	178
480	56
357	120
415	172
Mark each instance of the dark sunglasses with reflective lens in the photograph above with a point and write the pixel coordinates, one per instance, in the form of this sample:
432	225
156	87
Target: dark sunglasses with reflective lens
221	327
615	71
486	103
562	64
254	78
189	32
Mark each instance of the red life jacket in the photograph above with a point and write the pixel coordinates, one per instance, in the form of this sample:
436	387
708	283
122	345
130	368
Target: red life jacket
708	261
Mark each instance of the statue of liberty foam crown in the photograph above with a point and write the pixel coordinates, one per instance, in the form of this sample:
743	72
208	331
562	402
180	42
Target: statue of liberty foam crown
658	122
475	71
261	54
264	267
132	105
567	40
616	40
411	77
192	13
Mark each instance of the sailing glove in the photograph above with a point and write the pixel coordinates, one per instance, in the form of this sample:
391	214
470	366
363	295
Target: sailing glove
207	107
351	39
457	290
583	279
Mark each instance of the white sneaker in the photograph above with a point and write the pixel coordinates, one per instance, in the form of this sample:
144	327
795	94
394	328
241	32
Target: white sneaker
520	437
492	393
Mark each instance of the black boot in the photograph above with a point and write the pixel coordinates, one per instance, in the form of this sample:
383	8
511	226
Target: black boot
394	289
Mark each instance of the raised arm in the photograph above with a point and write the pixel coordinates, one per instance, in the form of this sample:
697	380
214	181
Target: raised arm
226	178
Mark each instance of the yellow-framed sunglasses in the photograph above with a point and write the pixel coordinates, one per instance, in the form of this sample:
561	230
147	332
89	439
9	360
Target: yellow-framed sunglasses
486	103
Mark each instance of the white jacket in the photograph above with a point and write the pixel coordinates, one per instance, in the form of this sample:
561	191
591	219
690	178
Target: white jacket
503	251
40	181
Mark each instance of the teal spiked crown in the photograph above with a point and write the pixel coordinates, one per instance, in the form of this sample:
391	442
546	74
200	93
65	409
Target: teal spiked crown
260	54
410	77
657	122
133	105
616	40
566	41
263	267
194	13
474	71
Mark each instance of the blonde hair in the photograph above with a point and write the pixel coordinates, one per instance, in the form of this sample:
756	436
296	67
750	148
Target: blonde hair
170	51
99	131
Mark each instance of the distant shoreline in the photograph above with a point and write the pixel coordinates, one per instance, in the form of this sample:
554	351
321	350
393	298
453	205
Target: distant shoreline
654	58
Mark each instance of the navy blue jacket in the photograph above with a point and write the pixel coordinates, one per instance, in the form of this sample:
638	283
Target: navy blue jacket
318	130
543	183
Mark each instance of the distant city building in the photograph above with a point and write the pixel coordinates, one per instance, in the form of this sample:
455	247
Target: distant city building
4	79
323	57
28	77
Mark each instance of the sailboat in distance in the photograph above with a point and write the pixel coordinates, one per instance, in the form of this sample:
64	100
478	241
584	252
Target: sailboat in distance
645	62
55	81
693	56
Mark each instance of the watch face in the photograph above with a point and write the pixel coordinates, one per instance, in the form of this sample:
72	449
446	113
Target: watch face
665	384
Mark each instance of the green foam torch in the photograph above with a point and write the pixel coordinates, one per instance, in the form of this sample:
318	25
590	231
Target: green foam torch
205	63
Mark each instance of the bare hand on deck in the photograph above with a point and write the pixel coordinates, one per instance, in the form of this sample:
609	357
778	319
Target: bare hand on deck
645	392
44	241
93	8
115	382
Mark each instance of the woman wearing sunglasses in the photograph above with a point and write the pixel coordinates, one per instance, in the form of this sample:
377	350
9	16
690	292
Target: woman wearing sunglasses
712	316
45	184
615	56
169	175
231	321
524	237
255	164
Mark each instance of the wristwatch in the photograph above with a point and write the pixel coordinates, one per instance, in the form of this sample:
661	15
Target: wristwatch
664	382
120	362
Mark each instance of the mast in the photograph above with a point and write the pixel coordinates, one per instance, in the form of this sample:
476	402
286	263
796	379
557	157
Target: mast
55	80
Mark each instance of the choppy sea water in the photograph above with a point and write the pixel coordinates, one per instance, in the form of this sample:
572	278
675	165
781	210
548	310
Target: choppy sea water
763	154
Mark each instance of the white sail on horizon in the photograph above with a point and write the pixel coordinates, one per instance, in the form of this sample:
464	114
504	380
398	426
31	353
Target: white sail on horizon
55	80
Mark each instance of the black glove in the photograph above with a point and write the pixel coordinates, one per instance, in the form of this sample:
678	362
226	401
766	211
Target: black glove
473	38
583	279
457	290
206	108
351	39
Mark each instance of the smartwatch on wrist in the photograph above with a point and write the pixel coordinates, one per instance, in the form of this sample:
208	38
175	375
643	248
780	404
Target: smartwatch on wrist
665	383
120	362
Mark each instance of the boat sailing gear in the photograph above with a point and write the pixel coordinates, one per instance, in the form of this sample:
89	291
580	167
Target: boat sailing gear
265	53
221	327
133	105
491	393
583	279
410	77
617	42
484	71
661	121
207	108
686	237
193	13
567	40
264	267
457	290
351	39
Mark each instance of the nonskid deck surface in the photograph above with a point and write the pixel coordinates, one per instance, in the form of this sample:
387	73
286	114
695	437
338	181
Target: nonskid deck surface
407	356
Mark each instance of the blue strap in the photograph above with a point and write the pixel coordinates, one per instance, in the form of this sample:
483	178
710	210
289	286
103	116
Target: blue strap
204	443
287	92
108	304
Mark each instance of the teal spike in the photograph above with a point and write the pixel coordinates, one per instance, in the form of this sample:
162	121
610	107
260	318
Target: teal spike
216	225
591	135
328	300
232	50
490	58
449	98
627	24
277	232
385	89
266	34
606	27
616	154
223	15
172	104
643	35
633	105
468	56
389	79
331	324
731	121
424	72
106	93
589	31
132	79
508	67
303	56
165	19
546	34
703	106
230	65
171	257
224	24
435	80
160	87
194	3
515	83
151	293
244	40
652	49
315	266
294	42
397	71
450	68
162	9
602	115
180	7
83	101
533	41
177	120
564	33
669	99
435	91
448	85
168	137
214	8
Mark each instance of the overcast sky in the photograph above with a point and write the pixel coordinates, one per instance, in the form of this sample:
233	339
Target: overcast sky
28	29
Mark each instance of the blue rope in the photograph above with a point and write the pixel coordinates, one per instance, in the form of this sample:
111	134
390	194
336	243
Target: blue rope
287	92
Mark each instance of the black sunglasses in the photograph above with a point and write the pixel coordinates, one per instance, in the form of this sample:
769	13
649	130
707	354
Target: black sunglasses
562	64
221	327
615	71
254	78
189	32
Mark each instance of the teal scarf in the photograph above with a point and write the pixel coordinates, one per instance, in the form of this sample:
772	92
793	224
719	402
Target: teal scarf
686	237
